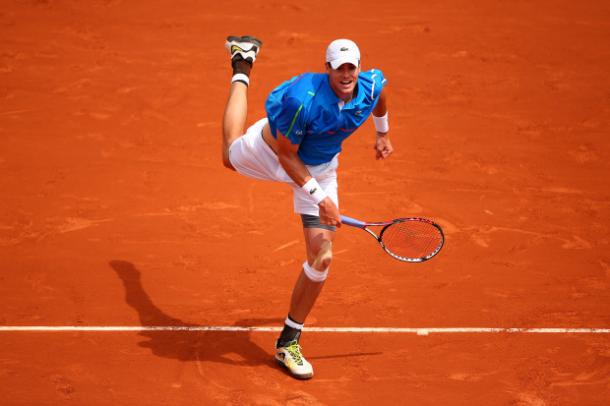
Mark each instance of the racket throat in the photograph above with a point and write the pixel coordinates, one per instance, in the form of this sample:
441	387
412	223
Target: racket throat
373	234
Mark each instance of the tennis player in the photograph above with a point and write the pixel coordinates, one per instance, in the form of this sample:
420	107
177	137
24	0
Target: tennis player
298	143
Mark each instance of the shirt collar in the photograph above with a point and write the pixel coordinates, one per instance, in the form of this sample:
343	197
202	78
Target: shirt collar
332	99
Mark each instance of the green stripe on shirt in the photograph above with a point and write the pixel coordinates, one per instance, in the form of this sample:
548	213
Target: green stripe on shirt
294	119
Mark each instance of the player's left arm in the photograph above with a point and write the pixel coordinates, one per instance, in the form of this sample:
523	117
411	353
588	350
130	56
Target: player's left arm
383	145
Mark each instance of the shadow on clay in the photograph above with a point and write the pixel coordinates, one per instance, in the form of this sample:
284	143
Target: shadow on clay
225	347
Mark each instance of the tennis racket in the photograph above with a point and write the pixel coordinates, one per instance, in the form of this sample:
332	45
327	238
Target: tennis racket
410	239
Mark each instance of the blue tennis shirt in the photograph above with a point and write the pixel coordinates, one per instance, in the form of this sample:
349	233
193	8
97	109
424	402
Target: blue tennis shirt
306	110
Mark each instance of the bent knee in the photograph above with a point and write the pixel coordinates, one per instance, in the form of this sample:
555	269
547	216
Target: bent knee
324	256
318	270
226	162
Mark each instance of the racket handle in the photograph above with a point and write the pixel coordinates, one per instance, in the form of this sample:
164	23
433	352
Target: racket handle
352	222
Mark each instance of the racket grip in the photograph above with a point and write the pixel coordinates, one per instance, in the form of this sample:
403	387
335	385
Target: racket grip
352	222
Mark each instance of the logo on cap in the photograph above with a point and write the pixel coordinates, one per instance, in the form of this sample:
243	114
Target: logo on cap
344	49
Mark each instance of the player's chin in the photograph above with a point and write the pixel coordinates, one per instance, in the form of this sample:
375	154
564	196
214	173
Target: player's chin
346	93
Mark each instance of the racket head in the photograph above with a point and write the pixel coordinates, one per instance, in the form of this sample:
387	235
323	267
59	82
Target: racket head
412	239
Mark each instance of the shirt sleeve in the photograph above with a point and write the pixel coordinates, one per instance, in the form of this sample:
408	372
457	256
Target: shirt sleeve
379	82
291	120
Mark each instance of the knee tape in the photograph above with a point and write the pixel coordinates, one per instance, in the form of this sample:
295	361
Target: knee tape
314	274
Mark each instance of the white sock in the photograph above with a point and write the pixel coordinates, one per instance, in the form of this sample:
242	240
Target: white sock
241	77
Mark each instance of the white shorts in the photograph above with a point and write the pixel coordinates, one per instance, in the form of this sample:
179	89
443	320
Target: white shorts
251	156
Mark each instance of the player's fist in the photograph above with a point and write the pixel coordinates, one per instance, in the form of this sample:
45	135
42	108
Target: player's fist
329	213
383	146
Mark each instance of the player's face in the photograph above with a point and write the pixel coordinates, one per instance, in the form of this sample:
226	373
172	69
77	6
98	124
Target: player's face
343	80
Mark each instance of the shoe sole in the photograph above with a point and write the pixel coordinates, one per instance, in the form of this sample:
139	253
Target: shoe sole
301	377
254	45
245	38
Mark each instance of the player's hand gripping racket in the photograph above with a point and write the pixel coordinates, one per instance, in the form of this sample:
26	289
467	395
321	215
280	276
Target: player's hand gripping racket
411	239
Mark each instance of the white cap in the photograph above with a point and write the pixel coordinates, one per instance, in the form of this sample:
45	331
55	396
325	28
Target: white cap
342	51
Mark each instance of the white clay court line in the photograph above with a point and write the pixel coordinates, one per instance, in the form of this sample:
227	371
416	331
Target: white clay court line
400	330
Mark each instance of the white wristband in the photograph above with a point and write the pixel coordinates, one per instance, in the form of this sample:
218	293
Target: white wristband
314	190
381	123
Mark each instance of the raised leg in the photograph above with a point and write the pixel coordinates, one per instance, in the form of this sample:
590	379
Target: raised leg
243	51
234	119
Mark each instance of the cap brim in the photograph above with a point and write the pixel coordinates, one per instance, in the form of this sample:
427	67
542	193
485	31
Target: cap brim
338	62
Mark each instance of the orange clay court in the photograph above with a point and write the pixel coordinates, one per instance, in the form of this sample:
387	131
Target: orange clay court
116	211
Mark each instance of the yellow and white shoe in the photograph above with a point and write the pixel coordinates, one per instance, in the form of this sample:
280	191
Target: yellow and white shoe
243	48
290	357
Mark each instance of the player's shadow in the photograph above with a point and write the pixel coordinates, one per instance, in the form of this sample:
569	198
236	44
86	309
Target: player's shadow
226	347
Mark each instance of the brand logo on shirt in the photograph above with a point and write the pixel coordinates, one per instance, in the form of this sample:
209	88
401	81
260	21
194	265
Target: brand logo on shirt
358	112
312	191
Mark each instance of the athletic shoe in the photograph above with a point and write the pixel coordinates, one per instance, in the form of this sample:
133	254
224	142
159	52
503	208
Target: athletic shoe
290	357
243	48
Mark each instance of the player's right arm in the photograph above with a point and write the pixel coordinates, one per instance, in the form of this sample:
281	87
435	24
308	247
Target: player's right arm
298	172
290	118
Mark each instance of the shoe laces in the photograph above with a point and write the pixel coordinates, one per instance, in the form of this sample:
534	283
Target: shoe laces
294	349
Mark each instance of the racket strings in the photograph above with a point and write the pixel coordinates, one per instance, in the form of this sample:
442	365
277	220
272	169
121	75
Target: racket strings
412	239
